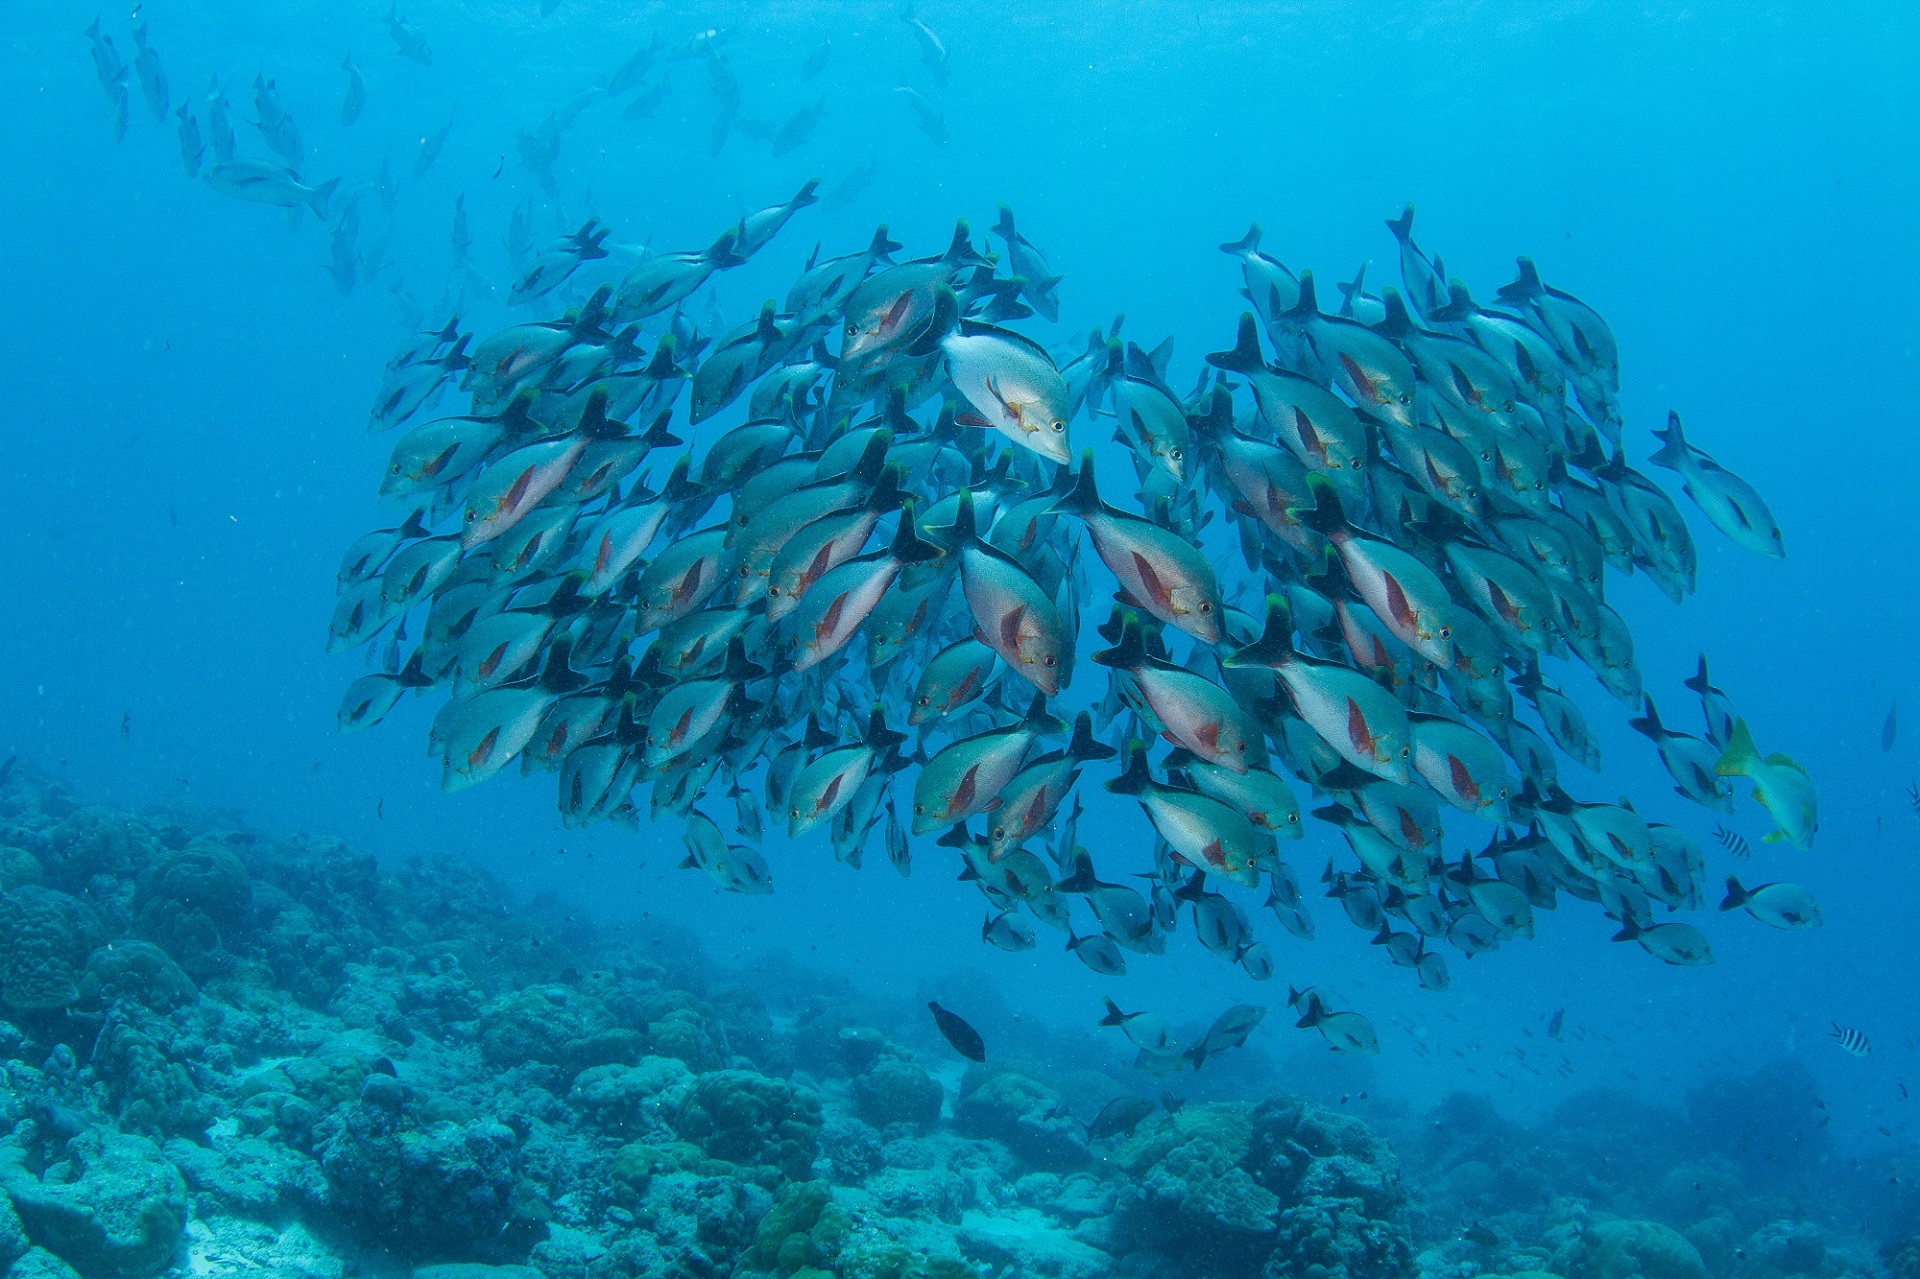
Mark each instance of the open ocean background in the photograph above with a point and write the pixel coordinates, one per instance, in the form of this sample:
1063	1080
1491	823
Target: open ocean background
1731	185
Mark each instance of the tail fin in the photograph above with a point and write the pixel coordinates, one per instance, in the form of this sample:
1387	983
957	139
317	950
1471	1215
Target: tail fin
1741	754
882	245
1459	305
1004	227
1129	651
720	253
1736	896
1114	1016
318	197
1083	499
1326	514
662	365
1082	880
1246	246
1398	323
1526	285
1700	683
1353	290
1039	719
965	531
1217	421
879	736
1245	357
1084	748
1402	226
739	669
1673	449
658	436
1275	646
1629	931
908	546
873	458
1308	307
413	674
1133	779
805	195
1648	725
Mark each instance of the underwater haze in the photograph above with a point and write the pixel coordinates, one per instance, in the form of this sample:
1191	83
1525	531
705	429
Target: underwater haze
1014	640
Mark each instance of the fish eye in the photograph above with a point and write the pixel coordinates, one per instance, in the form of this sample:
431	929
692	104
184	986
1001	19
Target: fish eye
1446	632
745	571
794	811
1508	408
394	469
472	515
772	590
919	810
1058	425
1406	398
1405	751
1175	454
1293	819
925	701
853	327
1051	660
1205	608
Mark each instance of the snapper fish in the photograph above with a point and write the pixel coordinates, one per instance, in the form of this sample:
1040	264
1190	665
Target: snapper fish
1148	1031
1009	379
1167	575
1785	906
1363	722
1692	763
263	182
1730	503
1203	832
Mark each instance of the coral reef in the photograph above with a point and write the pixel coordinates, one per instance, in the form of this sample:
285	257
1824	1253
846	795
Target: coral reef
228	1054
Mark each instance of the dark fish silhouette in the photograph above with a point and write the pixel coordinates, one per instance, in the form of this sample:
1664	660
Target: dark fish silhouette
965	1039
1554	1024
1119	1117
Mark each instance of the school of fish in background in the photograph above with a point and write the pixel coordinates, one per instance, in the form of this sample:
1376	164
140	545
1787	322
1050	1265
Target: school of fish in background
829	571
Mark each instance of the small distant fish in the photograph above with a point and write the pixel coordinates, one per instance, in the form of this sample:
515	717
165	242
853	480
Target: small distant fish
933	50
965	1039
126	726
1890	729
429	151
817	60
407	40
1913	797
356	97
153	80
1556	1023
1733	842
1851	1040
851	187
1479	1233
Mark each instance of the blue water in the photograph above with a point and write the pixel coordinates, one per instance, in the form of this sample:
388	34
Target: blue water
1731	188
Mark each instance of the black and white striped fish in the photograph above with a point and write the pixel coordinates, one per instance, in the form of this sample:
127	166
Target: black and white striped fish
1733	842
1851	1040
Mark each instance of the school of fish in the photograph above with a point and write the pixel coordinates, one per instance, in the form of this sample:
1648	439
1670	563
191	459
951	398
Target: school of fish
835	570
